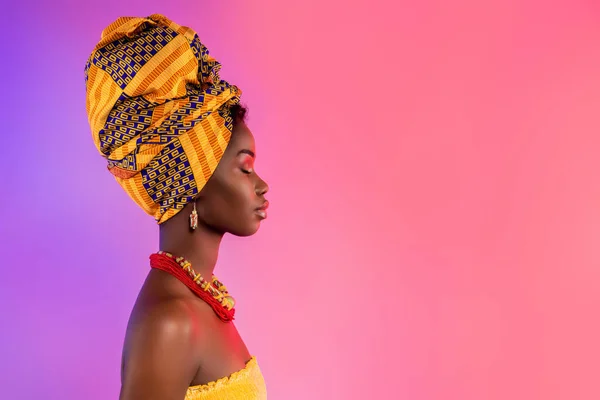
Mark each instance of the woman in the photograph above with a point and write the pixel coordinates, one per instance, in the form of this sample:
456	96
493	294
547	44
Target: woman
175	139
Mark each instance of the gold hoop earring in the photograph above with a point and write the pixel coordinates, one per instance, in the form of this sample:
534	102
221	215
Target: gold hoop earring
194	218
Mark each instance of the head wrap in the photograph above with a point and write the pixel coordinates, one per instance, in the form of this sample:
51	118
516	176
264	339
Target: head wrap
158	111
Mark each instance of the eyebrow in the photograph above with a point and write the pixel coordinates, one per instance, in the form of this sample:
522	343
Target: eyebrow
247	152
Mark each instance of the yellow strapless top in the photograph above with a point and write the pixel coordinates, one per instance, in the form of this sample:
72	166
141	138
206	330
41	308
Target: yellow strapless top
246	384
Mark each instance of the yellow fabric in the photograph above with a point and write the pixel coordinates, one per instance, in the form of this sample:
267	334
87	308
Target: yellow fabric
158	111
246	384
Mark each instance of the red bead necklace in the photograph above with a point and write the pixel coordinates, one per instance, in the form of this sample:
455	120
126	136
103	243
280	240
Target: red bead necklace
213	292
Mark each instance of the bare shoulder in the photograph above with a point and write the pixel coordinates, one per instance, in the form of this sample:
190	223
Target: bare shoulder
160	356
165	318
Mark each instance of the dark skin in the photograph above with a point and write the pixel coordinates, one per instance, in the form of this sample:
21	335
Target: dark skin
174	339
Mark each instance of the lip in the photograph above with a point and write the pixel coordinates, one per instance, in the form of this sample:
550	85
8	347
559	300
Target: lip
261	213
264	206
262	210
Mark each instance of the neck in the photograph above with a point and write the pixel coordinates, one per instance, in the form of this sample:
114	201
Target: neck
200	246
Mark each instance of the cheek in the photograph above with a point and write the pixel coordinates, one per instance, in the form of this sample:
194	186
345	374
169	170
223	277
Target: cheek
244	193
235	196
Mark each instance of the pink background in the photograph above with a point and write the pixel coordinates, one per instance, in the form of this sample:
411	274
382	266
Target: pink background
435	201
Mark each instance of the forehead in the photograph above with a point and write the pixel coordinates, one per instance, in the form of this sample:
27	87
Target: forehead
241	138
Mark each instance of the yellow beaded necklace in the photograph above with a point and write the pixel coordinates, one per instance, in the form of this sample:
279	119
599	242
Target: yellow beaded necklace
214	288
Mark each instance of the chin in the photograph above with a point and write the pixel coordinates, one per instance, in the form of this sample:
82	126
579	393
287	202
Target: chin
247	230
244	234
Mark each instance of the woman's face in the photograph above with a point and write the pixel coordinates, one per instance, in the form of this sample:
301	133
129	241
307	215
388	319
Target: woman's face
229	200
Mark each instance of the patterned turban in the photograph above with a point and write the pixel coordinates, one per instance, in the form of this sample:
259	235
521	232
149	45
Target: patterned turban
158	111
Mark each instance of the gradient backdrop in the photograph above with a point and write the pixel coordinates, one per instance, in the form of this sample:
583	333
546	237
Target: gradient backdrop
434	230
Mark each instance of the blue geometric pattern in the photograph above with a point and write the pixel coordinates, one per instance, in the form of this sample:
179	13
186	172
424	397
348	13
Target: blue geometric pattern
124	57
169	176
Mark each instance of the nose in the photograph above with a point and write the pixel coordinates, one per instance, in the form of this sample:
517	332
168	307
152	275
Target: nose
261	187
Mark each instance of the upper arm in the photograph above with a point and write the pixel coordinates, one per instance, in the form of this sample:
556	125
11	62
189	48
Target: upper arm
161	362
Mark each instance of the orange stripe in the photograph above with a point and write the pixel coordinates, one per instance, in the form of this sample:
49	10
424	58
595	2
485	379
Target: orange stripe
207	140
161	62
100	78
110	96
175	86
191	147
135	189
118	29
146	153
92	71
189	33
225	135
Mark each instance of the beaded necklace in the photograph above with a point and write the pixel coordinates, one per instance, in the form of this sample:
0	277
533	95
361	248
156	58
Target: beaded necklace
213	292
